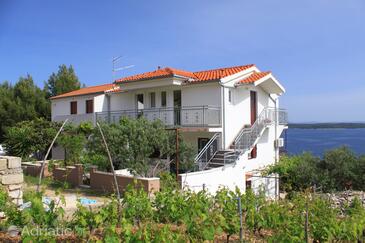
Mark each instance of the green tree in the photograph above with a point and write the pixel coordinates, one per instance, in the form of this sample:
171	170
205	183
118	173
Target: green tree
30	138
136	144
339	169
22	102
296	172
339	166
65	80
73	140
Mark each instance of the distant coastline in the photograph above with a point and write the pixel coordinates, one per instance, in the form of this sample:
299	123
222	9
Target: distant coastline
347	125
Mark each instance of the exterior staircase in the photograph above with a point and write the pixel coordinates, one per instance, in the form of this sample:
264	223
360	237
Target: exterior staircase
212	156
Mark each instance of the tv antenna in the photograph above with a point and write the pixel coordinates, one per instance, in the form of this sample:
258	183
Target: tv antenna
116	69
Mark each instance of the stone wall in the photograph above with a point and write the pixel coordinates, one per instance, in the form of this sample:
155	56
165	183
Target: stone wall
11	177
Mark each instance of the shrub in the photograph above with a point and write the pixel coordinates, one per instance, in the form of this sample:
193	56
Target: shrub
338	170
30	138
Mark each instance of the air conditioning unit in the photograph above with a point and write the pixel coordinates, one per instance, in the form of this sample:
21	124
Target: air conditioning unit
279	143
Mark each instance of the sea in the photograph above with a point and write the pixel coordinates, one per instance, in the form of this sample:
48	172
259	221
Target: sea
317	141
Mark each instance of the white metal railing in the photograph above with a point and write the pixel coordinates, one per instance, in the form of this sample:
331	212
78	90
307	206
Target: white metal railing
209	116
247	137
75	118
207	152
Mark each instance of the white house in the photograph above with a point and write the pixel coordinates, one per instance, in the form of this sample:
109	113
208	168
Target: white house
231	115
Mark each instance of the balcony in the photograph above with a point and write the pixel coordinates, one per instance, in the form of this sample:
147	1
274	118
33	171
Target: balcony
192	116
75	119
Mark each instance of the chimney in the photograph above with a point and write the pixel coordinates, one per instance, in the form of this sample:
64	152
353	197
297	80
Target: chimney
158	67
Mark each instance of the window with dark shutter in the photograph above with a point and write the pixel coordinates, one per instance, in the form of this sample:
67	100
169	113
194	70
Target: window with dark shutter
89	106
73	109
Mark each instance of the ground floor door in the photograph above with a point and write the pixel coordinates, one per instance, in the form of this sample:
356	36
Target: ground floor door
201	143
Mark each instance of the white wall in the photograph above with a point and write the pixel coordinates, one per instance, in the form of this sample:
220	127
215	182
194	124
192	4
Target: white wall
201	95
62	107
235	174
238	111
191	95
231	176
100	103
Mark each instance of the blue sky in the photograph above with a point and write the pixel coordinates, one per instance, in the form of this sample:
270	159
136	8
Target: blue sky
314	47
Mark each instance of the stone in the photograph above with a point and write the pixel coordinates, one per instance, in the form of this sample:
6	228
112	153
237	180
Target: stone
14	162
15	194
3	164
14	187
12	179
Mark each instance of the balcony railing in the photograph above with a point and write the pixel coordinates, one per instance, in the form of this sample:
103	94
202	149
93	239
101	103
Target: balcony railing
76	118
190	116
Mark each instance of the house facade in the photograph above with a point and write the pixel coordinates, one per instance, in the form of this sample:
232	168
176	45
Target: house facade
230	115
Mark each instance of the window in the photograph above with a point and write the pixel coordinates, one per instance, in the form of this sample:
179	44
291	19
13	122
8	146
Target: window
153	99
163	99
230	96
89	106
73	106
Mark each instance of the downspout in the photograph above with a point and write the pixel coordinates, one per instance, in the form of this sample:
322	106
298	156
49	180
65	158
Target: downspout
275	143
108	106
223	113
276	126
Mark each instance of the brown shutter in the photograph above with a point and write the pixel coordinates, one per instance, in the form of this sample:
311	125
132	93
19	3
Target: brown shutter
89	106
73	109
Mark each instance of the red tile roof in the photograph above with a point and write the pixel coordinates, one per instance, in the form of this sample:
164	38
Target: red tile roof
85	91
200	76
219	73
159	73
255	76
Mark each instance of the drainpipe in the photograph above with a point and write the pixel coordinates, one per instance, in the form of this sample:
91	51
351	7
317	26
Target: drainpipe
276	147
108	106
223	113
276	125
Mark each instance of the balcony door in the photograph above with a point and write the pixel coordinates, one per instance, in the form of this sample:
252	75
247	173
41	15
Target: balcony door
253	104
139	104
177	107
253	101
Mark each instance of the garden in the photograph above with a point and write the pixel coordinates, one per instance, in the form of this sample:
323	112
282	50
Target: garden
306	212
173	215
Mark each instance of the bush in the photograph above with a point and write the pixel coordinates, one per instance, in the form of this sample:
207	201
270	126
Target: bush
30	138
340	169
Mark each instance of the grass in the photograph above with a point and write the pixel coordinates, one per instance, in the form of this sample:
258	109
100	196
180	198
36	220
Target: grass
46	182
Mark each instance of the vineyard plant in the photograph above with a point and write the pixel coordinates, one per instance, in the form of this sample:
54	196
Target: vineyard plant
173	215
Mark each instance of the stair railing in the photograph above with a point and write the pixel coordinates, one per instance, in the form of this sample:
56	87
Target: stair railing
247	137
207	152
